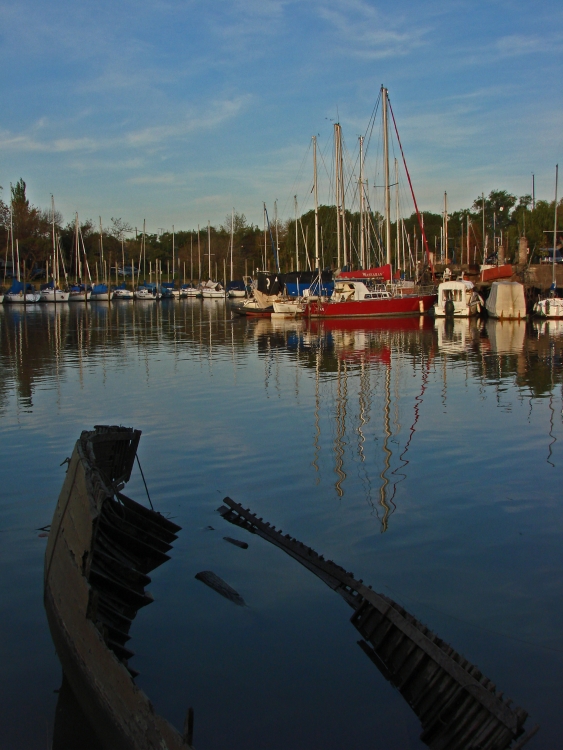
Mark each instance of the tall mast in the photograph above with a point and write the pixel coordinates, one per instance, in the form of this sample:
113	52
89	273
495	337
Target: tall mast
342	196
101	243
172	253
484	238
54	242
296	236
386	174
276	225
209	245
337	188
191	257
398	250
77	249
446	217
555	227
361	186
199	253
232	239
315	190
265	240
144	251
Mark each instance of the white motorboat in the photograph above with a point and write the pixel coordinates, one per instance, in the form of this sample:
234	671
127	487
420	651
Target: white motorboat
457	299
51	294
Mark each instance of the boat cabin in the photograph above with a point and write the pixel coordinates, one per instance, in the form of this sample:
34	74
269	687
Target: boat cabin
356	291
461	295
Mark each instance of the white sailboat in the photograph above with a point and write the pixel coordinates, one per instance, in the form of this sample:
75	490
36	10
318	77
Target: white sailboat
20	293
552	306
51	292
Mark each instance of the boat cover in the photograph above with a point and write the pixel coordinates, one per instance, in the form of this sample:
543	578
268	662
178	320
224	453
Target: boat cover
506	300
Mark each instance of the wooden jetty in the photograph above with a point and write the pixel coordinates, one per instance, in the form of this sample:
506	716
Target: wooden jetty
101	547
458	707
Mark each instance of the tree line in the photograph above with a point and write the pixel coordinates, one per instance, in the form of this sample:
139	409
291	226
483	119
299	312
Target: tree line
492	222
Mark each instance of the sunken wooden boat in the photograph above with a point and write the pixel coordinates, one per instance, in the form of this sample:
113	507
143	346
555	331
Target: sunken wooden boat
101	547
459	708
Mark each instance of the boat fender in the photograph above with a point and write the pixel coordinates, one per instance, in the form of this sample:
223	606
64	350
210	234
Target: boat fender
421	306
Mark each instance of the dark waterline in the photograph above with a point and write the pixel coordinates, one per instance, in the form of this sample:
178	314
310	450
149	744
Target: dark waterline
422	456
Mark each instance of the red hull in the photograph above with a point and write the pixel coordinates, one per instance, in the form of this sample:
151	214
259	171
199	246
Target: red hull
373	308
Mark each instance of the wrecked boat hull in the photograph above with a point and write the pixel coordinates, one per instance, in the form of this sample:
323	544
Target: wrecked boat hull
101	547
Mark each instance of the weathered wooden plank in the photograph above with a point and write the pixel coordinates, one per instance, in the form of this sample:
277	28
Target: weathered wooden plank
443	662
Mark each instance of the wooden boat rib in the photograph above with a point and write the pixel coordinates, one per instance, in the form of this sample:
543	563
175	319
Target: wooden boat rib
457	705
101	547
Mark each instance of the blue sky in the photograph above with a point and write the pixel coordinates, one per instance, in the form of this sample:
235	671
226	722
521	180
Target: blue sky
178	111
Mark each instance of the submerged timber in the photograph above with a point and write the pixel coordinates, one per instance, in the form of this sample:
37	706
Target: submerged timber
458	706
101	547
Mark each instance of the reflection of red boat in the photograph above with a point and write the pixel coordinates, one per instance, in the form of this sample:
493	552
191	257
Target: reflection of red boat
423	323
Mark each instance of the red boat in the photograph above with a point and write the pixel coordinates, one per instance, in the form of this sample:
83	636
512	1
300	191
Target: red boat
353	299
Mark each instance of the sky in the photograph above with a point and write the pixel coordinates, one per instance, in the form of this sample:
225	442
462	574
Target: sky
179	111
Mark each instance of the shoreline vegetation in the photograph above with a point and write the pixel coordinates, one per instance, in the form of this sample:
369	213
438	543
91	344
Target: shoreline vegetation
503	217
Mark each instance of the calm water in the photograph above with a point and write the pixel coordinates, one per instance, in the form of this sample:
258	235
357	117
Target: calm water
426	459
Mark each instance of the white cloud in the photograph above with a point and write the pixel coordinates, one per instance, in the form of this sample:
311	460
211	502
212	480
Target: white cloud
361	30
162	179
208	117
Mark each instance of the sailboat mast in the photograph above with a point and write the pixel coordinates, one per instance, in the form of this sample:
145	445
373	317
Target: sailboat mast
555	227
144	251
398	249
343	198
386	174
315	190
54	243
209	245
296	236
337	188
173	266
361	186
446	228
232	239
199	252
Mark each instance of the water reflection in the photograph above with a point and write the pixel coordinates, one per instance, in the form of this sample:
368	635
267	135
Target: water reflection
357	366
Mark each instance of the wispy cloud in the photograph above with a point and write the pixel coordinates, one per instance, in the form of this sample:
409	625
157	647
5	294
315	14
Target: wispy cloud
361	30
206	118
160	179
